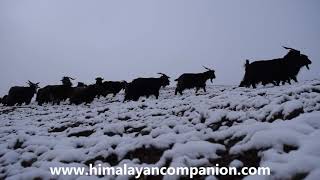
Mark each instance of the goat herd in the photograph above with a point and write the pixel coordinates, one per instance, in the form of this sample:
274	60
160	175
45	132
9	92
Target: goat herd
275	71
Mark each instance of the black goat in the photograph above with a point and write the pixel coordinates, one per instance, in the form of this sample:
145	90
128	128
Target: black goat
266	80
19	95
113	87
4	100
83	94
81	84
145	87
194	80
55	93
275	70
86	94
99	87
298	60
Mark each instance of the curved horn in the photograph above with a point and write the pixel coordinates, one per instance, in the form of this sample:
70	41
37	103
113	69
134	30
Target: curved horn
70	78
163	74
289	48
207	68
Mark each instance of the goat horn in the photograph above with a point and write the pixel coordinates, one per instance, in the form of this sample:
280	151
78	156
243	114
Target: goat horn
71	78
289	48
163	74
207	68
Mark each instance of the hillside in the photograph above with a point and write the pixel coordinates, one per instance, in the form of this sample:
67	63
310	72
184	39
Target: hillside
277	127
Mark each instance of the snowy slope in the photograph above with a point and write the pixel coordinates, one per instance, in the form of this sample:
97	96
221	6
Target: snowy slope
276	127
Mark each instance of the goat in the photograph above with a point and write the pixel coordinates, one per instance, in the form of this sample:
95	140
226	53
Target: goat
19	95
83	94
275	70
145	87
194	80
113	87
55	93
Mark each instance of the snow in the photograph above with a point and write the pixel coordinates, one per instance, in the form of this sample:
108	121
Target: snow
236	163
194	149
278	126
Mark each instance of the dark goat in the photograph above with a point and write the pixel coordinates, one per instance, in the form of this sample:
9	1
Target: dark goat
113	87
298	61
145	87
275	70
99	80
194	80
81	84
83	94
88	93
4	100
19	95
55	93
266	80
99	87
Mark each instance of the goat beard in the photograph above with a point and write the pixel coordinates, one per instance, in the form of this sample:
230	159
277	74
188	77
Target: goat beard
307	67
211	80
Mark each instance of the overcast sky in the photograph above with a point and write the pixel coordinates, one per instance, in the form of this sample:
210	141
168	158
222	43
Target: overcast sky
43	40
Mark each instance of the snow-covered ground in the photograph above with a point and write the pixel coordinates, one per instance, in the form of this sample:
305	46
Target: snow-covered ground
276	127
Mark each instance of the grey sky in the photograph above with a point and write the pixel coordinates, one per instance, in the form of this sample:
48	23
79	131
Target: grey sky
43	40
